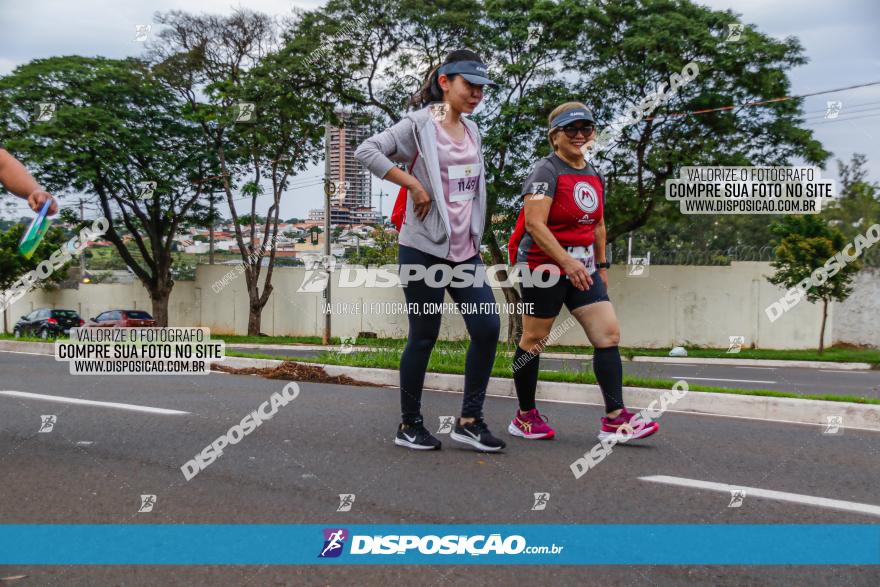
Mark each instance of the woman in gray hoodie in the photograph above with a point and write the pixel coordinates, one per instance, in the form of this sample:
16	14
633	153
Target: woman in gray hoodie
440	240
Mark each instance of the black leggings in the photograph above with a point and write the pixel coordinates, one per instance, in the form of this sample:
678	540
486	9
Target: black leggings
483	326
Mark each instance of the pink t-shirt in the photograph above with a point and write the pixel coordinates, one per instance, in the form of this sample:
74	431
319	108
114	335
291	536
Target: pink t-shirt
460	173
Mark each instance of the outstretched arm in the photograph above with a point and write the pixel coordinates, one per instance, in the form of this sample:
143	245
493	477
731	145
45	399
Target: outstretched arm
17	180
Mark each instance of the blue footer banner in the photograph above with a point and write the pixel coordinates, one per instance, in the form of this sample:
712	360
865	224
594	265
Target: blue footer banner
276	544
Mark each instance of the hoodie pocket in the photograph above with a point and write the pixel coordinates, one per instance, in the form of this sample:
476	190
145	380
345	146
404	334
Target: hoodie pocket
433	226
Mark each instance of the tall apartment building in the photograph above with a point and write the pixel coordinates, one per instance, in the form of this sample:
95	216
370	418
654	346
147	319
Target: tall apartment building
354	206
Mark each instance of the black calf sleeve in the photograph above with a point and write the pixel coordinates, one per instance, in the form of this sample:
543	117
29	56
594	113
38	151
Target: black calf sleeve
525	378
609	372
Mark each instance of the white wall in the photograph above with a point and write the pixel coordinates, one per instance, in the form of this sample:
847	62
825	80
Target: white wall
689	305
858	318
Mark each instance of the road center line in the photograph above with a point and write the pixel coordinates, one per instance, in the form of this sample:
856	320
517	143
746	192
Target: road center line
88	402
822	502
688	377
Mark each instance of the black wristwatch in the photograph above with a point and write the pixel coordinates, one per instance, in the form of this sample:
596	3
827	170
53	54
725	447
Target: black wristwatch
604	265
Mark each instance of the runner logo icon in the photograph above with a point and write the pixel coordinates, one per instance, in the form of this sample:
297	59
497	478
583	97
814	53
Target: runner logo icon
334	542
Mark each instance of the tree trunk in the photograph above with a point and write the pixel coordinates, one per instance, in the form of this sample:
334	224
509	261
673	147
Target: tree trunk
822	329
256	302
254	320
511	296
159	297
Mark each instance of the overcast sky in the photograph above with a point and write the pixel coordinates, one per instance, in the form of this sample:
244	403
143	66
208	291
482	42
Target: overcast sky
839	38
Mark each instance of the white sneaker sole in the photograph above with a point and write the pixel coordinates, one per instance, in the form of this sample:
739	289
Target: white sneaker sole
407	444
514	431
474	443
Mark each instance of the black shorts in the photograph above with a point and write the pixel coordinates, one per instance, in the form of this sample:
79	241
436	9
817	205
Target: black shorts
546	302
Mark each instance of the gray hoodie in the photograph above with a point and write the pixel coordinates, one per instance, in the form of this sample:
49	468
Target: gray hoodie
415	133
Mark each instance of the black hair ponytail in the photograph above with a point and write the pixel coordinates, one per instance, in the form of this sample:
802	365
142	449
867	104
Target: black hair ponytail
431	90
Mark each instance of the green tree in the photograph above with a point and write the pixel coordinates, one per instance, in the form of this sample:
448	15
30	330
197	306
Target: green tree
13	264
638	44
858	206
260	112
804	244
119	137
384	252
248	220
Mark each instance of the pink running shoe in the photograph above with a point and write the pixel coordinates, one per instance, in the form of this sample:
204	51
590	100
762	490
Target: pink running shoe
639	429
530	425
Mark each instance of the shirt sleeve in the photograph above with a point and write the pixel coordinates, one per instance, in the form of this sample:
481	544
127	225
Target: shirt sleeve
541	181
380	152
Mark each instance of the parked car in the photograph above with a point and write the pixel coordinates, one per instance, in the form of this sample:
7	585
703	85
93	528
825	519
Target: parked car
47	322
122	319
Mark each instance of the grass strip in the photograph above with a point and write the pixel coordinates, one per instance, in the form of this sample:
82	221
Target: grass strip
453	363
832	354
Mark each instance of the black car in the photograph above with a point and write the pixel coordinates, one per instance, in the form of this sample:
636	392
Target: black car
47	322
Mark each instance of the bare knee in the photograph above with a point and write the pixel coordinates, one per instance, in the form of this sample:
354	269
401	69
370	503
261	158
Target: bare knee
607	337
532	342
613	337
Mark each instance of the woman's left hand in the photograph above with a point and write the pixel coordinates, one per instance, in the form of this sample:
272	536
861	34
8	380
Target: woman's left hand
603	274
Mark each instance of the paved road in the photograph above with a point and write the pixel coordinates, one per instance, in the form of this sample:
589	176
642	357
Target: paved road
97	461
864	384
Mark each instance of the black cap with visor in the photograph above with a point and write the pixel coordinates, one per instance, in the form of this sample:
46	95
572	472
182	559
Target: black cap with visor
475	72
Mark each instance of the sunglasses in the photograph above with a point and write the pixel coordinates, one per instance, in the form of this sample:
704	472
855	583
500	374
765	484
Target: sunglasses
571	131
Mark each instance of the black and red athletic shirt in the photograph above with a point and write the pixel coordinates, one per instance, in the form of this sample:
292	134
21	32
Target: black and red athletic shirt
578	205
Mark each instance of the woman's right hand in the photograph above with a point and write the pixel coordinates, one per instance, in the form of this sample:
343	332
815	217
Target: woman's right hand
577	273
421	199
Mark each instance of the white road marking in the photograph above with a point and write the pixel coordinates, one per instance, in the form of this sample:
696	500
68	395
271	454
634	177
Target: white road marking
88	402
822	502
769	368
688	377
846	371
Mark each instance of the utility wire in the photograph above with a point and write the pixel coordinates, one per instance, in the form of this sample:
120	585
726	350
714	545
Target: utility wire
765	102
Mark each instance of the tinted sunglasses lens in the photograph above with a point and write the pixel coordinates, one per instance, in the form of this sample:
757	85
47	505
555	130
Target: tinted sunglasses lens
572	131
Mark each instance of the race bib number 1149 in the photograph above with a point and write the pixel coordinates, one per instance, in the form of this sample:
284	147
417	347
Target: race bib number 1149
463	182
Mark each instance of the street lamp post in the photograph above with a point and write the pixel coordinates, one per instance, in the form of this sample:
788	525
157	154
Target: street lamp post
211	232
328	188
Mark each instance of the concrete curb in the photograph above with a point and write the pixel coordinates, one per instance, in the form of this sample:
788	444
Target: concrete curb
776	409
291	347
637	359
758	363
40	348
